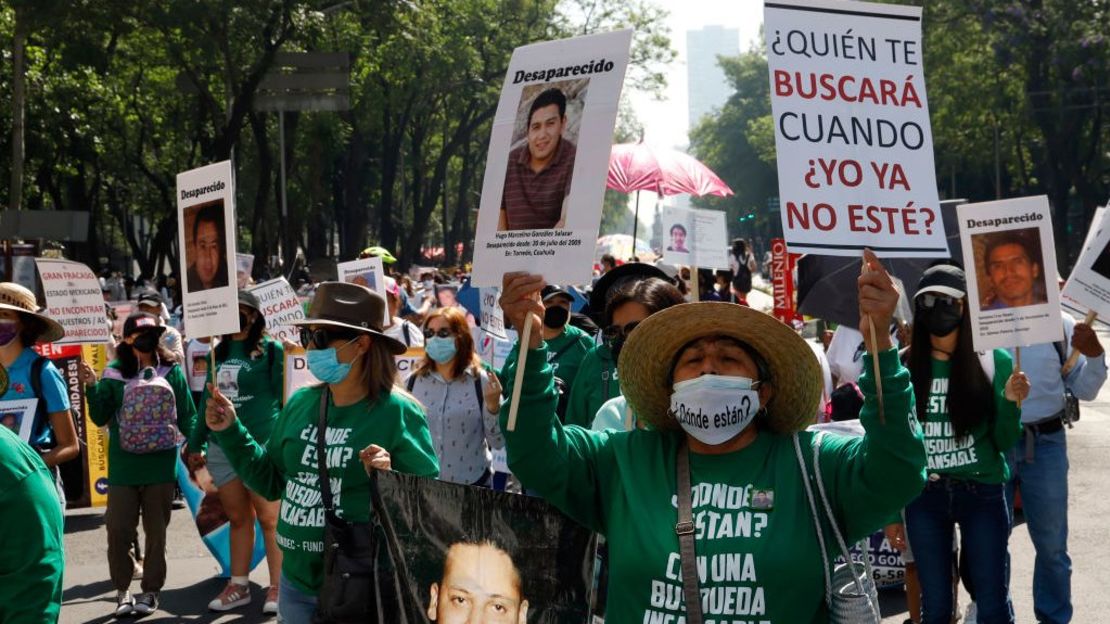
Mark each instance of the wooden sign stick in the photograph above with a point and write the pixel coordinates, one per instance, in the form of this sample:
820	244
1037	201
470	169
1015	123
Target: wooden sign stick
522	358
1073	357
1017	366
875	362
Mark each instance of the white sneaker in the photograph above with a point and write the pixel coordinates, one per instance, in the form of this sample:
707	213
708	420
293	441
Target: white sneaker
270	607
971	616
147	603
125	604
232	597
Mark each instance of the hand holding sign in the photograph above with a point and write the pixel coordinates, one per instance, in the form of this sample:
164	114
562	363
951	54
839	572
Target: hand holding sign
878	298
493	393
1017	387
1084	340
87	374
219	413
520	300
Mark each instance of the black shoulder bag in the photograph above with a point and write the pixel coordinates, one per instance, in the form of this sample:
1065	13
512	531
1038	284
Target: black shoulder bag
347	593
1071	402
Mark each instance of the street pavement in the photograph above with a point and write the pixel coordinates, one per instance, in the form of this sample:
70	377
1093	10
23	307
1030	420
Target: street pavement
190	582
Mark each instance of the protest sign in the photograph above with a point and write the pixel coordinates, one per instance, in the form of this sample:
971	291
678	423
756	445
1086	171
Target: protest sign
782	281
1011	285
368	272
19	416
408	361
243	265
433	532
492	319
548	159
1088	287
852	133
297	375
206	237
695	237
95	447
74	300
281	307
75	472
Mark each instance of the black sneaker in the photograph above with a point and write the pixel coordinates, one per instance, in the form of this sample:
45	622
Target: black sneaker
125	604
145	604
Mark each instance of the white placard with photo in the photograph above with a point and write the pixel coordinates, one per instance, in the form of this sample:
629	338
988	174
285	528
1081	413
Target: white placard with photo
368	272
19	416
548	159
206	237
695	237
852	133
1010	255
1088	287
74	299
281	307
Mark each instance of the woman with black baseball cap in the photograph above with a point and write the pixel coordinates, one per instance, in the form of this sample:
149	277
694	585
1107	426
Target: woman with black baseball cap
366	418
250	370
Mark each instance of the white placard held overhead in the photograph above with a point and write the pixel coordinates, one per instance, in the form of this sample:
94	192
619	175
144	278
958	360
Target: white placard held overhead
368	272
852	133
206	237
695	237
74	300
491	316
1010	255
1088	287
281	307
548	159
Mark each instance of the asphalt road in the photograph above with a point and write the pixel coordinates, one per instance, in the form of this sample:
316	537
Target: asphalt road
190	584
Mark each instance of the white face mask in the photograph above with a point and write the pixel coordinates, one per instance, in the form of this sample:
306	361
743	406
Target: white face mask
715	408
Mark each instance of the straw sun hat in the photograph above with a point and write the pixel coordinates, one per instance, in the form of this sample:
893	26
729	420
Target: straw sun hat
648	357
18	299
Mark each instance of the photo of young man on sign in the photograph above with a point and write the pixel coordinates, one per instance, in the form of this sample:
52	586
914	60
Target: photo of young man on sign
678	239
206	253
541	162
480	583
1012	268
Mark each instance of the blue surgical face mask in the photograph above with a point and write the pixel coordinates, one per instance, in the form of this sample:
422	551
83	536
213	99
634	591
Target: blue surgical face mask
324	364
441	350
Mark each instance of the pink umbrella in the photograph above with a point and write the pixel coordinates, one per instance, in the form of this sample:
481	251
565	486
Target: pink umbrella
638	167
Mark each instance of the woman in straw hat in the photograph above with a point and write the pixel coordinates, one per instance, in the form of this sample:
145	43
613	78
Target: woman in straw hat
367	418
52	433
724	389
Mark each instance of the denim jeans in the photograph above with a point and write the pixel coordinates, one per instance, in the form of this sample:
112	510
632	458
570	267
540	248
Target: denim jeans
931	519
1044	498
294	606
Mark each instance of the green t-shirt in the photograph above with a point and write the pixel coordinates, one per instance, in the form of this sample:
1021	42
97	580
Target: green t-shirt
286	467
253	384
759	558
105	399
595	384
31	545
980	454
565	352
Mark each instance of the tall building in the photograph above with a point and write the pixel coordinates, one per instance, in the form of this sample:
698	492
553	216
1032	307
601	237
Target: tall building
706	85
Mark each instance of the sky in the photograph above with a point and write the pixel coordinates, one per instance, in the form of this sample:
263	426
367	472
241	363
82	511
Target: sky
664	121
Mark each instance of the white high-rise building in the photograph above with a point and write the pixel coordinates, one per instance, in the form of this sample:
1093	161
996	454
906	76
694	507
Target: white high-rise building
707	87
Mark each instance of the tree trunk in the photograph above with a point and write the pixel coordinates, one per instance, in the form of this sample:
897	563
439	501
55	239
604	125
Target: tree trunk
19	38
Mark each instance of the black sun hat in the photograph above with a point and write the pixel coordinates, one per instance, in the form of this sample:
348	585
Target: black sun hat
341	304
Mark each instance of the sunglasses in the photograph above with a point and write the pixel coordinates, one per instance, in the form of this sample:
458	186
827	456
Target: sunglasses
321	338
442	333
929	300
614	332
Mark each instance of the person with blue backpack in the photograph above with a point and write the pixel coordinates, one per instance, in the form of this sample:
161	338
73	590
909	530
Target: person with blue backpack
249	371
144	400
31	376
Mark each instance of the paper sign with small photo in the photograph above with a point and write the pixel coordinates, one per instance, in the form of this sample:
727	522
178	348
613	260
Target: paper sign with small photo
206	236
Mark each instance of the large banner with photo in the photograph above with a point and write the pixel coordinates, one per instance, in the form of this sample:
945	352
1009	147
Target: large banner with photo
517	556
852	132
1011	269
548	159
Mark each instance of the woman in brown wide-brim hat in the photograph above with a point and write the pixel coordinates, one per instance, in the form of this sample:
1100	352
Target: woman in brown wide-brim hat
725	392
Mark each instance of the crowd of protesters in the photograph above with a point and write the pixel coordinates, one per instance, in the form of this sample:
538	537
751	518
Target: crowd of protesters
604	433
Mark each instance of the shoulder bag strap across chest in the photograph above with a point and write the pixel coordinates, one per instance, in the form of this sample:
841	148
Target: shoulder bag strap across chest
685	530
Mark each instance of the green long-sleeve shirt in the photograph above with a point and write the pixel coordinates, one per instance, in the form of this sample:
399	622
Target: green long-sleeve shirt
980	455
758	562
105	399
595	383
252	384
567	350
286	467
31	545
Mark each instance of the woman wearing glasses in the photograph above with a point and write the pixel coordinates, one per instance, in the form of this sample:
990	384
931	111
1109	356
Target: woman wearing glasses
367	418
968	423
249	372
461	399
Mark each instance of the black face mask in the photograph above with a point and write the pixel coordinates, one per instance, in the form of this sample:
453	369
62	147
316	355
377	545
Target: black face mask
555	317
145	342
941	319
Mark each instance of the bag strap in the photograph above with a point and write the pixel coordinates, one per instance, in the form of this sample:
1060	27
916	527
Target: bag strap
321	456
481	397
835	528
410	383
685	531
816	520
